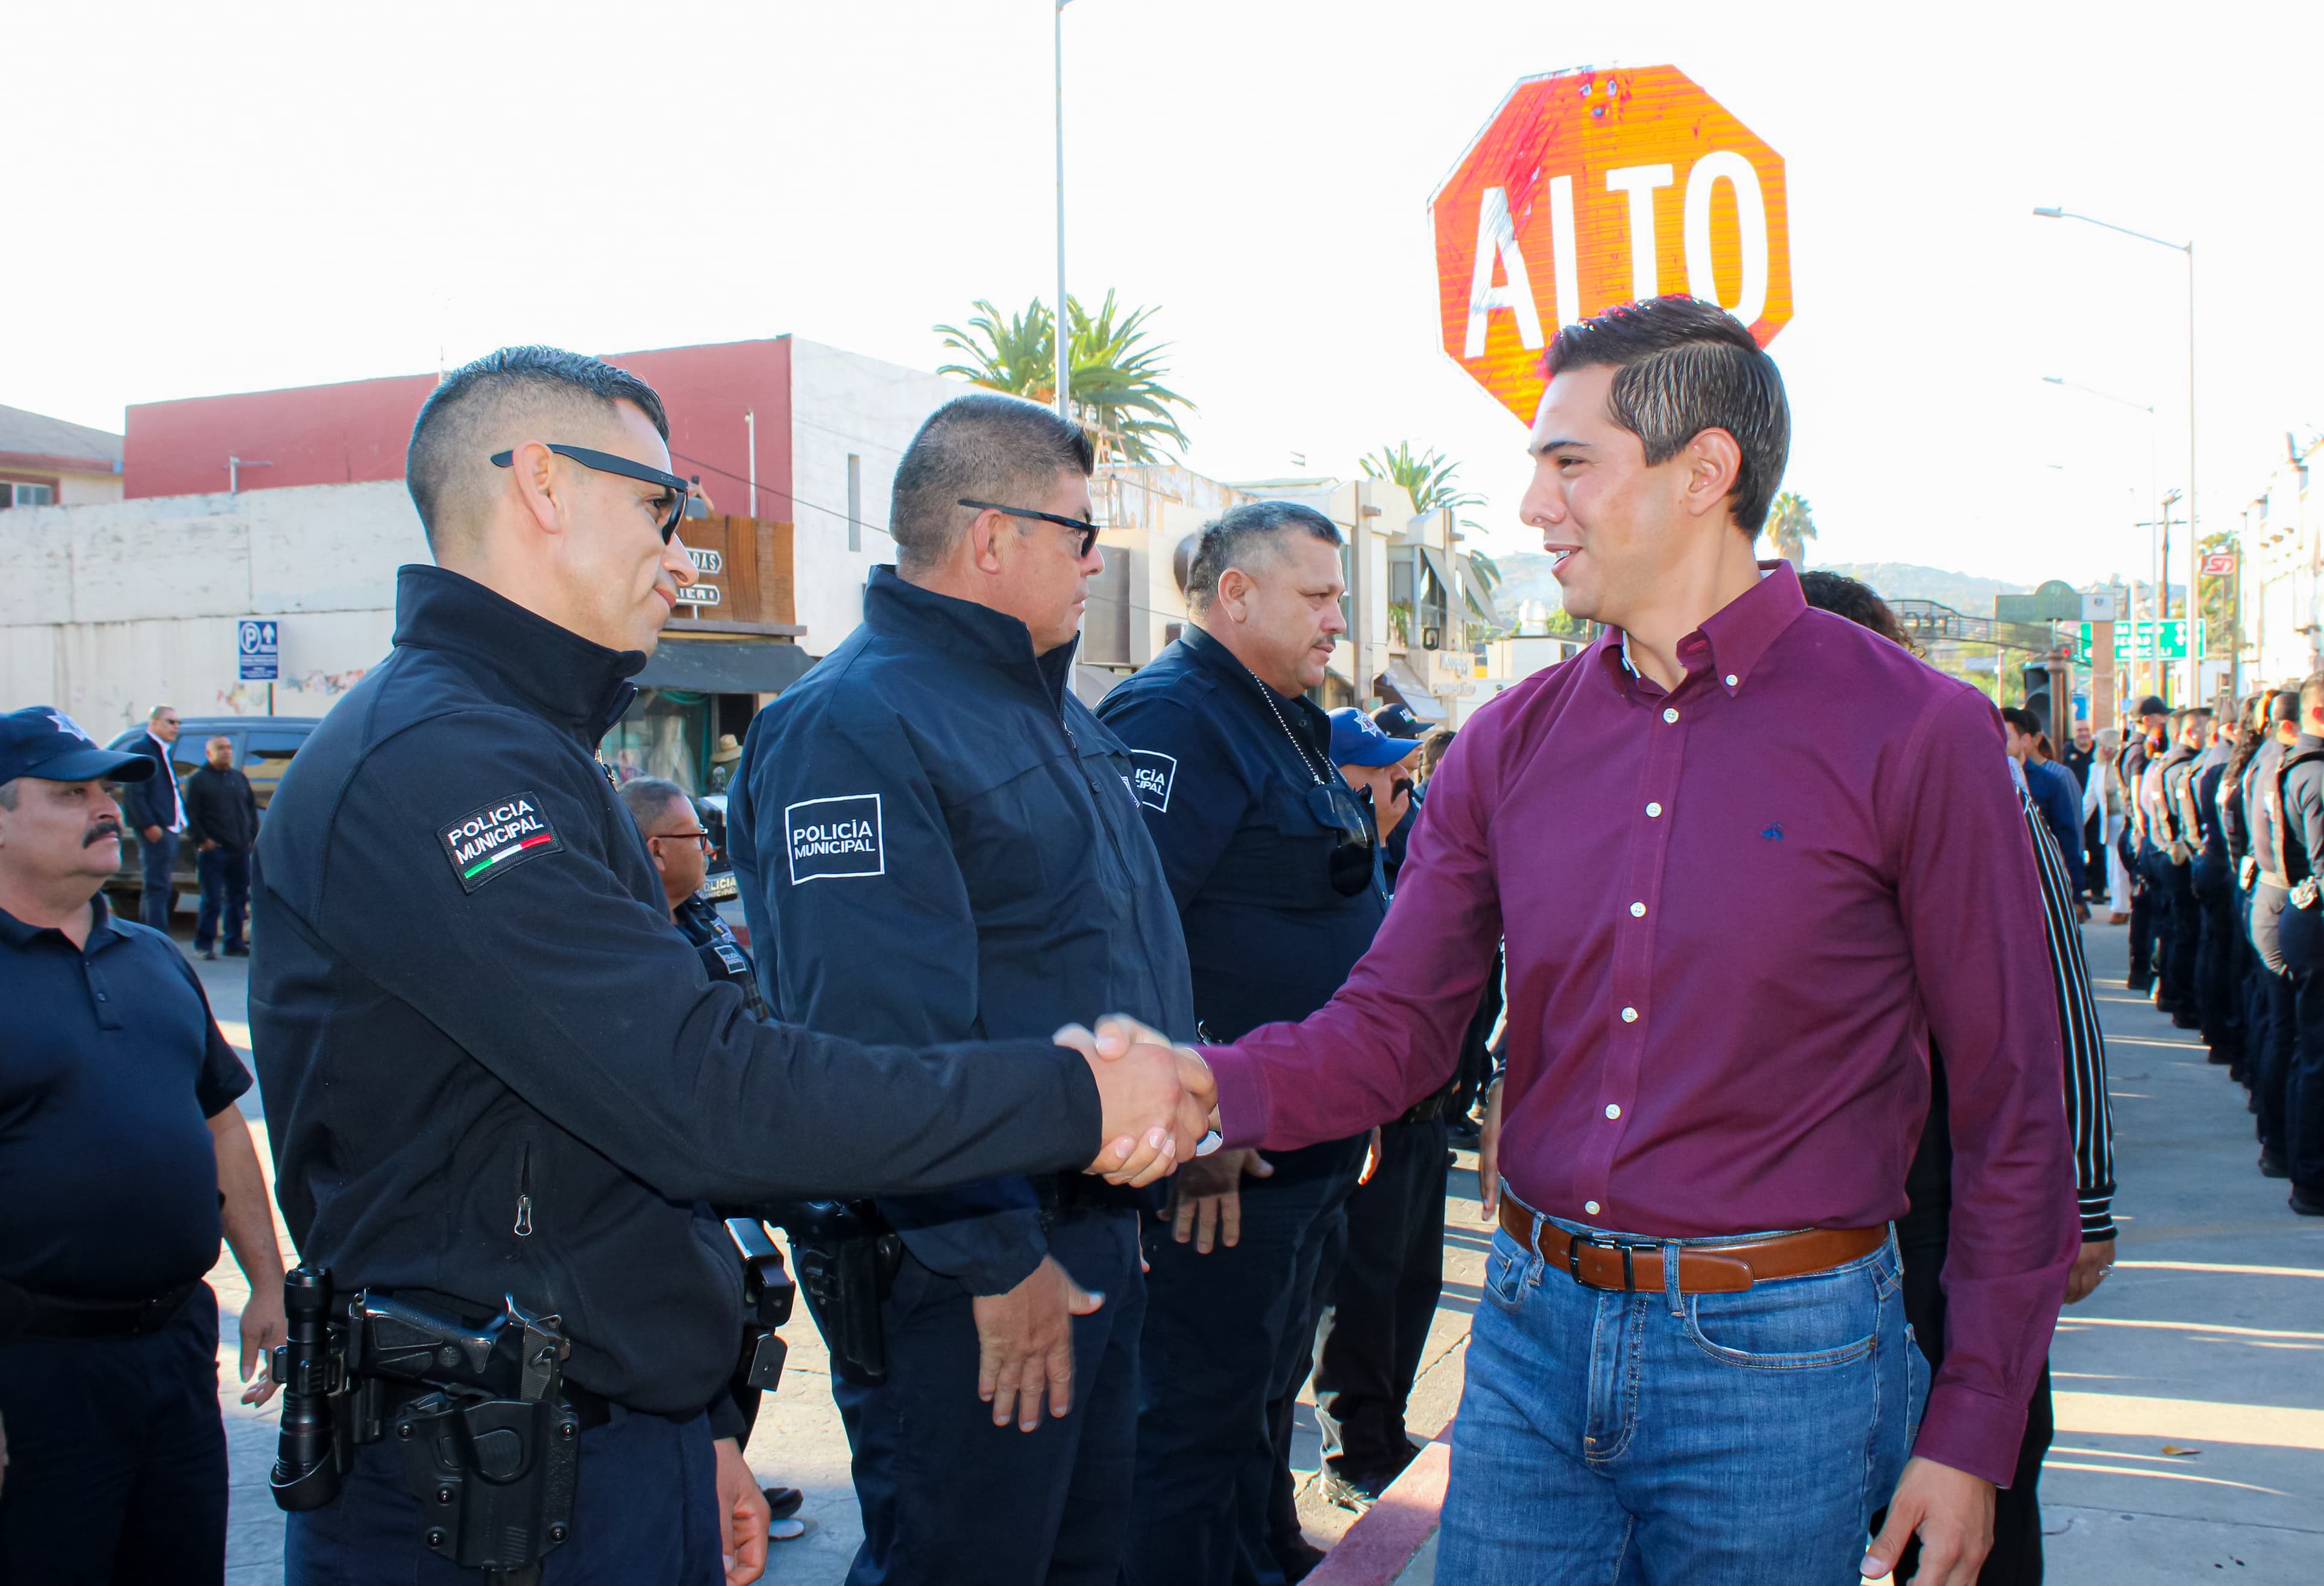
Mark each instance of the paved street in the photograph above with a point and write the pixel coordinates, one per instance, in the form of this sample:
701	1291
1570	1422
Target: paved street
2191	1390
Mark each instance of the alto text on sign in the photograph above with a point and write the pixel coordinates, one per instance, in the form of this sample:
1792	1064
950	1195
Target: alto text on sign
1589	188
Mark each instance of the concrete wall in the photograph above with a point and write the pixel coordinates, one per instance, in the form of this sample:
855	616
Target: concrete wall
844	404
108	608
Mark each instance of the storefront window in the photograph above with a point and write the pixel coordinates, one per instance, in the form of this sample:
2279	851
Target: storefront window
662	734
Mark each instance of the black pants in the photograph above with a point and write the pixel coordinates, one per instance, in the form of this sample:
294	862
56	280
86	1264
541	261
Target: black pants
1229	1338
2177	972
2301	935
2275	1020
2094	859
2016	1556
946	1496
2216	960
1378	1298
158	864
116	1456
2146	907
224	876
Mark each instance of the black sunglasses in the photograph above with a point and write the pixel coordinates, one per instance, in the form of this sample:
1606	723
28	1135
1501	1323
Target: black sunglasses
607	463
1088	531
1336	807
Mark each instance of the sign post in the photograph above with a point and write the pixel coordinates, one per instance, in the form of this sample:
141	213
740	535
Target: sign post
1591	189
257	649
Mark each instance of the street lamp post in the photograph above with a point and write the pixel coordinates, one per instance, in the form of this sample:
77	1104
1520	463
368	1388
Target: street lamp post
1063	335
2194	534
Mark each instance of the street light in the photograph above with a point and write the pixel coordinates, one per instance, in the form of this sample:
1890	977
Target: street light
1063	338
2194	534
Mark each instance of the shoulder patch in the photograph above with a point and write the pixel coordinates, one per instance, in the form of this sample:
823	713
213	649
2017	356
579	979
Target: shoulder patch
1151	775
835	838
503	835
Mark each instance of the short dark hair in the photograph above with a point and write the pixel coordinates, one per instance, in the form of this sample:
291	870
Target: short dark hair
1682	366
1231	536
1856	601
2023	720
2311	695
986	447
647	799
2283	706
452	430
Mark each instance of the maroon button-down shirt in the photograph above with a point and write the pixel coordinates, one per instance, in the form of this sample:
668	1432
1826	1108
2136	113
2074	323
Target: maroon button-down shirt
1736	915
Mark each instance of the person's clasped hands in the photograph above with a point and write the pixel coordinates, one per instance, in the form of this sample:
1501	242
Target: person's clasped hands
1157	1101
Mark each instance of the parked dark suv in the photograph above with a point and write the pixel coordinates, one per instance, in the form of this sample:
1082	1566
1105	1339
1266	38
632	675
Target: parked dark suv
263	748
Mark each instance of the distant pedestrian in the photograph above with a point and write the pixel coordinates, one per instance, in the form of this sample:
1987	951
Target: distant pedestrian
157	813
2104	807
222	819
2051	786
2082	759
2146	740
124	1158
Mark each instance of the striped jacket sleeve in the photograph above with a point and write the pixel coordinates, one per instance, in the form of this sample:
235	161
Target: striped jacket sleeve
2088	1118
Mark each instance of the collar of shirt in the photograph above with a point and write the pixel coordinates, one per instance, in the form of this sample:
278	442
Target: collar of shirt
1731	641
2017	775
17	935
1302	715
574	682
897	609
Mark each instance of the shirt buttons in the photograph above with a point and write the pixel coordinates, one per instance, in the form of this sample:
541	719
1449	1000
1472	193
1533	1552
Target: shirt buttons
1613	1109
1629	1016
1638	911
1670	713
1654	811
1732	680
1591	1207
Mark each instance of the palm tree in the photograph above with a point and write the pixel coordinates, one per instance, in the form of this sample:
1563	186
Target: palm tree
1791	526
1117	373
1431	479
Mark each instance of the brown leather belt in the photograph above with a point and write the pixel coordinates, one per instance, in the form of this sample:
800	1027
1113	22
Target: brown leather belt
1623	1266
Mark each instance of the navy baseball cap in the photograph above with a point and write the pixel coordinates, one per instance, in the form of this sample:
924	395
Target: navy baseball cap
1357	739
1398	722
42	742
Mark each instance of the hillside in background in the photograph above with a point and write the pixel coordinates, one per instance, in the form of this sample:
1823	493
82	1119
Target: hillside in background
1526	575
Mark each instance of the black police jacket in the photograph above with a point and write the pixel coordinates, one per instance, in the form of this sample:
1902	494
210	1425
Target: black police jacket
490	1066
1226	793
2299	810
935	839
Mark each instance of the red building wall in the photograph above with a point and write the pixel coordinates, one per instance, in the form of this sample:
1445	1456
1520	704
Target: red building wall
340	434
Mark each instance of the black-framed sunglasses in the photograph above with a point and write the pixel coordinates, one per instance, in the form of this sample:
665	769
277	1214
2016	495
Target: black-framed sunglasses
607	463
1088	531
1336	808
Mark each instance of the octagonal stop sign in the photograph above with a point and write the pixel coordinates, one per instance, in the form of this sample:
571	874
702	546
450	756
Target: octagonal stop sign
1589	188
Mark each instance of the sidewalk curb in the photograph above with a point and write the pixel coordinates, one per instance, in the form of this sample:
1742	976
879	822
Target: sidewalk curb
1386	1538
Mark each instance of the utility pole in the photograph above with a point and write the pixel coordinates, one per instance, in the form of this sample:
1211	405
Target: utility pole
1064	332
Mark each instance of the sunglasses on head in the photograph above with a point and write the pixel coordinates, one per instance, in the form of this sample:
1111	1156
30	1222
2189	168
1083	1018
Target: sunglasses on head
1088	531
607	463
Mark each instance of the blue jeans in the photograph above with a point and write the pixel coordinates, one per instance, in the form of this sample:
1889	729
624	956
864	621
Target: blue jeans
1744	1439
225	877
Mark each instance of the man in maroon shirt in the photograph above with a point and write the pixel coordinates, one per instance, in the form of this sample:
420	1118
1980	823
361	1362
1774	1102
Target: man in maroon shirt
1729	943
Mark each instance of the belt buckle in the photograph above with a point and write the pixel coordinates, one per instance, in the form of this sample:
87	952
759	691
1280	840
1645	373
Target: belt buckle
1596	1241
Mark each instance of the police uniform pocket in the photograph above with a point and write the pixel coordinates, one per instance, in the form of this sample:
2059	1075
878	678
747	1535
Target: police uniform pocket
1794	1323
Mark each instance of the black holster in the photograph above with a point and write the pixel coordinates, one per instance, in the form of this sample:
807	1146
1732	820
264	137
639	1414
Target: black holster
491	1444
847	1256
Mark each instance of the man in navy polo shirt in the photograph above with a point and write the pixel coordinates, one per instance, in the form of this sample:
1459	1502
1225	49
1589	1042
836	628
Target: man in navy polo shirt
121	1159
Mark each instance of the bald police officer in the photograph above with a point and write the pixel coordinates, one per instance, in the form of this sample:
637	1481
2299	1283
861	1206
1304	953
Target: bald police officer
498	1078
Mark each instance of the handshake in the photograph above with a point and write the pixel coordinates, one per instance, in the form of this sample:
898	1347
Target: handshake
1158	1100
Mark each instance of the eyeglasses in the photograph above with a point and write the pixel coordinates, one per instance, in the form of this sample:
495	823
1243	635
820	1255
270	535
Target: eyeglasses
1088	531
1333	805
701	836
607	463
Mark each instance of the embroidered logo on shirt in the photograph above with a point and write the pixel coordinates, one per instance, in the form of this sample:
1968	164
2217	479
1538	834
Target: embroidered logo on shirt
835	838
496	838
1775	831
1151	775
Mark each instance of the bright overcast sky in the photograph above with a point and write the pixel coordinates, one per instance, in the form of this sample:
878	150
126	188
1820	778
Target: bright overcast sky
223	198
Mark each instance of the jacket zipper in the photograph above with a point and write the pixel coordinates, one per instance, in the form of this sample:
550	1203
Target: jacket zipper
524	1195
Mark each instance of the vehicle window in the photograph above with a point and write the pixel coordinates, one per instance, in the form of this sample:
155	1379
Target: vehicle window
265	756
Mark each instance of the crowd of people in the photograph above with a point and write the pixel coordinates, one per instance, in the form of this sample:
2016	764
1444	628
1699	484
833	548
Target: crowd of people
1101	1062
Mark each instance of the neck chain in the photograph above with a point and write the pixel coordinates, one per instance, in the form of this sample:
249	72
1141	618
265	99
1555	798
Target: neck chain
1267	694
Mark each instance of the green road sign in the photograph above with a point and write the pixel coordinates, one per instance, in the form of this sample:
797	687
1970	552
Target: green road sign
2136	641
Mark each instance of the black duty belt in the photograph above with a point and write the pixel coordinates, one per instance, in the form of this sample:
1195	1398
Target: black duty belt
26	1314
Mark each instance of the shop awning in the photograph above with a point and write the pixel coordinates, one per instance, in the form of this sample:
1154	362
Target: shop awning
725	666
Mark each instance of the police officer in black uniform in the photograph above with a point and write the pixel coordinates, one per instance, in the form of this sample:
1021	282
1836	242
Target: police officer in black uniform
2273	1028
2147	739
678	843
1278	875
936	840
501	1083
2300	781
2171	870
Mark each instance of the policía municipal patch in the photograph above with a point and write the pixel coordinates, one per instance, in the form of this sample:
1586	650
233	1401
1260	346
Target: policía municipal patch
835	838
497	838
